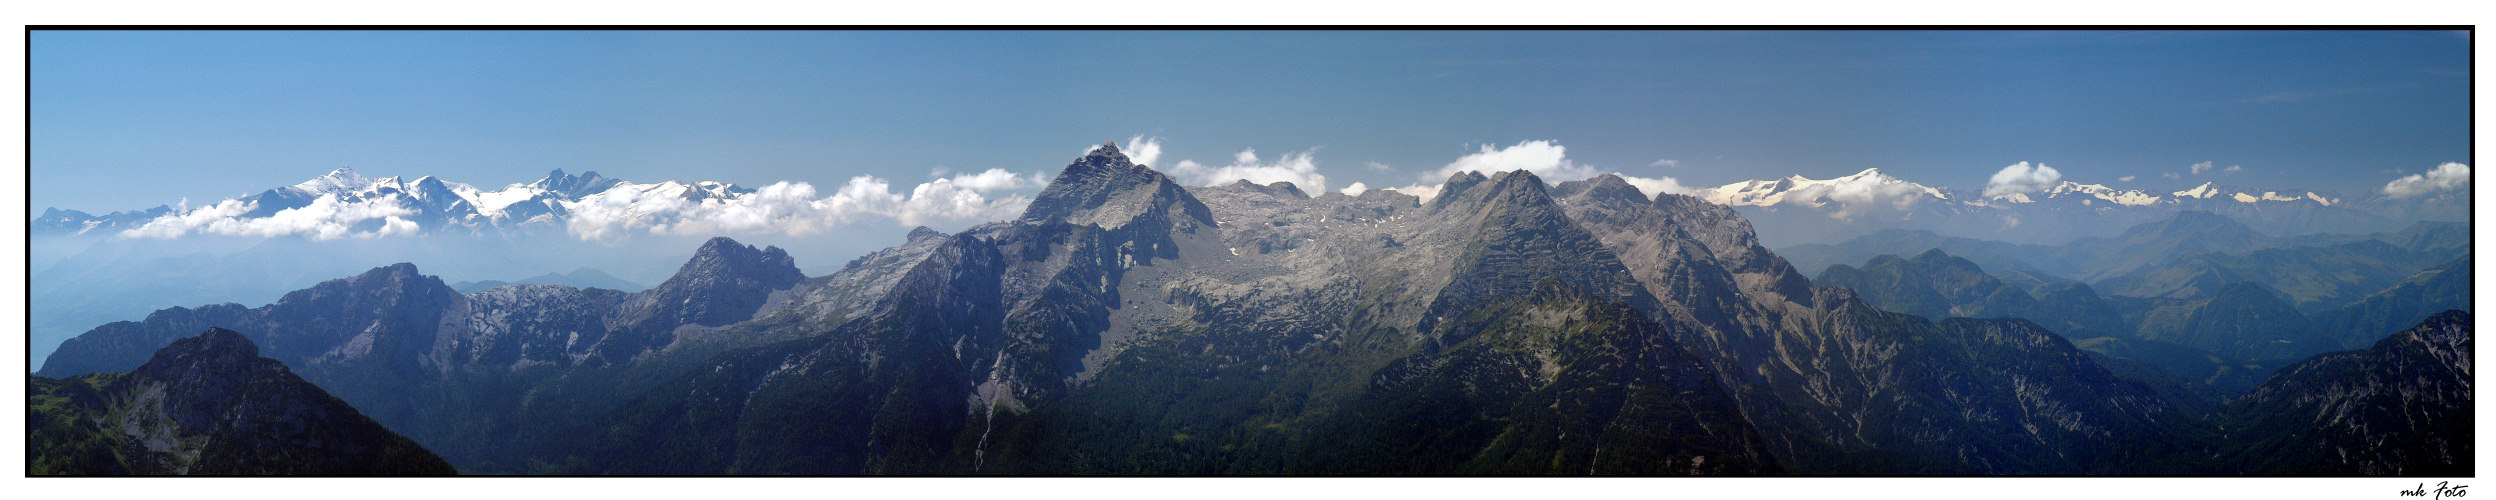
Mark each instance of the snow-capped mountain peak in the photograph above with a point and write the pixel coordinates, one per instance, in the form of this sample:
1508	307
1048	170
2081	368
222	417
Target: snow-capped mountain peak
2204	191
342	180
1859	187
2088	193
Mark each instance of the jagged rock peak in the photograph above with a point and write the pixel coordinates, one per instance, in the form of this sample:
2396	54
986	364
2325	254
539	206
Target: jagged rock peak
575	185
923	232
1521	183
1455	187
724	253
1104	187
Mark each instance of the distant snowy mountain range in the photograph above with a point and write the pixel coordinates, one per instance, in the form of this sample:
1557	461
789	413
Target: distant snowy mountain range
377	206
1871	185
1797	210
1791	210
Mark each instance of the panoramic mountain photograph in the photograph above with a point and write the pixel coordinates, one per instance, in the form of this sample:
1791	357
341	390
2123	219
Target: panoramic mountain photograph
1752	253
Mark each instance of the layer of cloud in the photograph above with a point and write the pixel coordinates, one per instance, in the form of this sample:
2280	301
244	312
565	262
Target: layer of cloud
1298	168
2233	168
2020	178
792	207
1355	189
1658	185
326	218
2198	168
1666	163
1547	159
2170	175
2446	177
1425	191
2127	178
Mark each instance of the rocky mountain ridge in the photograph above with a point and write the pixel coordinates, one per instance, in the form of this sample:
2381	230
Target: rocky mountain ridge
1128	325
209	405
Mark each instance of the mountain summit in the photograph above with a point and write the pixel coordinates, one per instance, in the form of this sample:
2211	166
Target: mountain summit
1104	188
209	405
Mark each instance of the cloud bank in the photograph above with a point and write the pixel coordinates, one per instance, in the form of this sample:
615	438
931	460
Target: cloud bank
2020	178
326	218
1658	185
792	207
2449	176
1298	168
1856	194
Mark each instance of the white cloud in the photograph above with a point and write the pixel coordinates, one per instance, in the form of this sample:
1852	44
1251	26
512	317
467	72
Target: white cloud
1668	163
1142	150
1546	159
1382	167
793	208
662	208
2198	168
1856	193
326	218
1423	191
782	207
1658	185
2019	178
996	179
2126	178
1298	168
2170	175
2446	177
1355	189
2233	168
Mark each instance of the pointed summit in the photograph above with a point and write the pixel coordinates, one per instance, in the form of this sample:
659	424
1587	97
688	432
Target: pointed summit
340	180
1521	237
2205	190
1455	186
1107	189
726	281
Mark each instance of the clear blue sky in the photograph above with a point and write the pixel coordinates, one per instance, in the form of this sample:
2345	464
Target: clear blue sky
124	120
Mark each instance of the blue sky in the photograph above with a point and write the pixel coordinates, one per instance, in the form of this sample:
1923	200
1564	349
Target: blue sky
210	115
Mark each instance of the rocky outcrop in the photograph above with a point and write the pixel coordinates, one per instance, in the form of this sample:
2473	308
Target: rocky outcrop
209	405
2400	408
